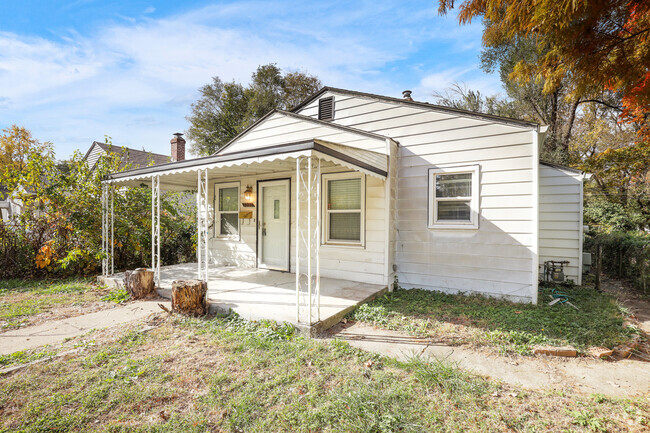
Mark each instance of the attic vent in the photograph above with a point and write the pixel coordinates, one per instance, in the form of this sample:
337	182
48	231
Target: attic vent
326	108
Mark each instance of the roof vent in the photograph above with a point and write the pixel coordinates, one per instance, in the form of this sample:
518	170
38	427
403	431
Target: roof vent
407	95
326	108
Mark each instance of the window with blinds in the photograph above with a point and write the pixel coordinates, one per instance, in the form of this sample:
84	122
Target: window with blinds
227	210
453	202
344	216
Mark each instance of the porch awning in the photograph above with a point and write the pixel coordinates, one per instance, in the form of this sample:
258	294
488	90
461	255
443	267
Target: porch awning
181	175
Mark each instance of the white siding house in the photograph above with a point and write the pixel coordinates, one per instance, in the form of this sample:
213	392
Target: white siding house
560	217
439	198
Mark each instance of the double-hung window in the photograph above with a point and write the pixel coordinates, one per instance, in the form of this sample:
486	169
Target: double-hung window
453	197
227	210
343	208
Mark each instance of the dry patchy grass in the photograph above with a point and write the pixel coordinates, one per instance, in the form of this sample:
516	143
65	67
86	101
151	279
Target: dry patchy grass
26	303
192	375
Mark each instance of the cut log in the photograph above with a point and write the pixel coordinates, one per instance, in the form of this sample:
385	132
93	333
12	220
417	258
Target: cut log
189	297
139	283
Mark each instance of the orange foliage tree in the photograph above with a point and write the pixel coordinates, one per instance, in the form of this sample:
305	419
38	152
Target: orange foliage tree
599	45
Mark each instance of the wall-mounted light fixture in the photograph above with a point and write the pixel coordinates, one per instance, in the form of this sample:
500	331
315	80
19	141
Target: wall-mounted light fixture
248	197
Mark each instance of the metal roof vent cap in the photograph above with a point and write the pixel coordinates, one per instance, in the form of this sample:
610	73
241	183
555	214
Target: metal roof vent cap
407	95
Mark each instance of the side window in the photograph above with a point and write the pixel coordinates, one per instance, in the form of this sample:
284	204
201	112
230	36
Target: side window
344	198
227	210
454	197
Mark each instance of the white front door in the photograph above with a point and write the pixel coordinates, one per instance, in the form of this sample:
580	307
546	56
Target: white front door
273	235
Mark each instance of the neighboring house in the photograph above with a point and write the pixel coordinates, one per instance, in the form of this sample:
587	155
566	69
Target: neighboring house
137	158
9	204
440	198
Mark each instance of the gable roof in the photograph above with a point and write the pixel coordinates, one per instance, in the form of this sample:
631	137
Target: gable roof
561	167
329	125
138	158
417	104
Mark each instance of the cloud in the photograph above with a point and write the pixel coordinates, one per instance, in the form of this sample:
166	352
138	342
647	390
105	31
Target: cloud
134	79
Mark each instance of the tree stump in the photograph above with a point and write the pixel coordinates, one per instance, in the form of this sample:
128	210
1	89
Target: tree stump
189	297
139	283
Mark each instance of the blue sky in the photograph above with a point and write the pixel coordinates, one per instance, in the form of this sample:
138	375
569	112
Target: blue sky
74	71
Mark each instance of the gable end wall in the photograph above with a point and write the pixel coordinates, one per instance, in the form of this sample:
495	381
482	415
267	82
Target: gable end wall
499	258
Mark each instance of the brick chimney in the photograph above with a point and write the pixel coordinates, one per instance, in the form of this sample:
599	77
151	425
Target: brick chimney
407	95
178	147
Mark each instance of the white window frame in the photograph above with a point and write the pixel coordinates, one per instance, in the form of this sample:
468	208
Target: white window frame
473	223
326	221
217	212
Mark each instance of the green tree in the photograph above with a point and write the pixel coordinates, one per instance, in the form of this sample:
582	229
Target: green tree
226	109
218	116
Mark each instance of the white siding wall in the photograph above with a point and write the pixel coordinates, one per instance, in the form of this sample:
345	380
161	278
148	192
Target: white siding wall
560	216
281	129
498	258
351	263
94	155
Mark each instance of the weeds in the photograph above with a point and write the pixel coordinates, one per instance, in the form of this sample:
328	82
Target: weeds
587	419
23	357
507	326
117	296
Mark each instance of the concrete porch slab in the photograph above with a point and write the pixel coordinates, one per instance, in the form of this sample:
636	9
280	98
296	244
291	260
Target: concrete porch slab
257	294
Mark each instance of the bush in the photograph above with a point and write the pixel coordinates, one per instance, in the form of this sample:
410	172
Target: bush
59	230
625	255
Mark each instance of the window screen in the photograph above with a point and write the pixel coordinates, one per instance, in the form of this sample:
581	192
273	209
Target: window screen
344	201
228	211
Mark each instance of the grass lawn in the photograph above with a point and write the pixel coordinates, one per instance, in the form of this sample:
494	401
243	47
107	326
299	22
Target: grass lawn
194	375
506	326
21	301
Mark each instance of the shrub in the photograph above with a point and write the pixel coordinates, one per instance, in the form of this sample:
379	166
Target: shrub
624	255
59	229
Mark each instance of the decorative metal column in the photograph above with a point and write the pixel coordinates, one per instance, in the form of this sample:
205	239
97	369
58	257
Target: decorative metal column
112	195
104	198
108	237
202	224
308	216
155	228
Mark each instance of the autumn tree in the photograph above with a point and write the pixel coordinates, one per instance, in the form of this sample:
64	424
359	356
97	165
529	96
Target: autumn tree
58	230
24	161
598	46
226	109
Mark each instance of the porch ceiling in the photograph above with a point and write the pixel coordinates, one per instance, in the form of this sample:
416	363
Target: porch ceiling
182	175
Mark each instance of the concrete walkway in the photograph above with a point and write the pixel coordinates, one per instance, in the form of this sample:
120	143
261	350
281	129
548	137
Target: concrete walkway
57	331
618	379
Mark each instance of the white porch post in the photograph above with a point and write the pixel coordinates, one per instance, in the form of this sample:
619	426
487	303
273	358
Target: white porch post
112	190
108	237
308	238
199	229
297	240
202	224
155	228
104	234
